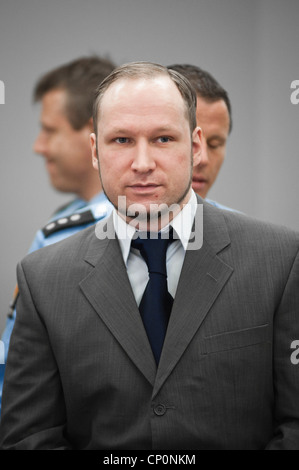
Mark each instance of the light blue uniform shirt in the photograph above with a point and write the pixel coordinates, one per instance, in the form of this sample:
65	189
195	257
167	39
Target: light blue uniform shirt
77	216
98	206
220	206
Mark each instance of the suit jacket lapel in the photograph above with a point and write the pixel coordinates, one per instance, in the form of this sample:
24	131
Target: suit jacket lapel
108	290
203	277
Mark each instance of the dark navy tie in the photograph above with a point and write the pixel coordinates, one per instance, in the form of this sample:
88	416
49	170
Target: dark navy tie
156	303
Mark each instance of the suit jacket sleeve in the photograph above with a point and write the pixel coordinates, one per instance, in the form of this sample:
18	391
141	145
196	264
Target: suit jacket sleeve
286	374
33	412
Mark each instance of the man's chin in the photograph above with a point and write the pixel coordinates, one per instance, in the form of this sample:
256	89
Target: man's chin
200	188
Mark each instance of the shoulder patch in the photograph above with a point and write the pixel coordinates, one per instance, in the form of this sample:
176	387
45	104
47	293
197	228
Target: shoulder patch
74	220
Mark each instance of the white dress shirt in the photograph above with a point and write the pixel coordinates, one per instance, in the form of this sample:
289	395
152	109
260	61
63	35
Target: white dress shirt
136	266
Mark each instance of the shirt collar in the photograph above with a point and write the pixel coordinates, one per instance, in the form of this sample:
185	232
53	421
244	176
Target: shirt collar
182	225
183	222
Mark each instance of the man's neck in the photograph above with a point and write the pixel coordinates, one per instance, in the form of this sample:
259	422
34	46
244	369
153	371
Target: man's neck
89	193
157	219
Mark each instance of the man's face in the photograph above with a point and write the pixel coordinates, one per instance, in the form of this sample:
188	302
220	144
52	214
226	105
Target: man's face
213	118
66	150
144	143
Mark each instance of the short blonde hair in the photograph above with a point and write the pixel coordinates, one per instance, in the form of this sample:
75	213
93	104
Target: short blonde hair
149	70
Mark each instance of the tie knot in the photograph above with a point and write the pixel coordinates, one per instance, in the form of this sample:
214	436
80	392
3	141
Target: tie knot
153	247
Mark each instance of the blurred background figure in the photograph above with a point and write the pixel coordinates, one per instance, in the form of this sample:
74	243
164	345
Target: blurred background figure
214	116
66	96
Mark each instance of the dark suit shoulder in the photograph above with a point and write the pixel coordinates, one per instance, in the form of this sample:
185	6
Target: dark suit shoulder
243	225
61	255
248	231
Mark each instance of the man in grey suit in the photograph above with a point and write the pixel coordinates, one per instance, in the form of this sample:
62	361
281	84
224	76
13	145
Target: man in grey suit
83	370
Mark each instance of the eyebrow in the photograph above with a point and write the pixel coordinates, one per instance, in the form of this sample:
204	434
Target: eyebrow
158	130
165	129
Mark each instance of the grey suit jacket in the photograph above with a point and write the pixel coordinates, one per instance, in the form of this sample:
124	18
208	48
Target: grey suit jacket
81	374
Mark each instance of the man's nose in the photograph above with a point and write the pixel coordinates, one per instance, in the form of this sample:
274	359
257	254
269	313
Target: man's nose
40	145
143	160
204	153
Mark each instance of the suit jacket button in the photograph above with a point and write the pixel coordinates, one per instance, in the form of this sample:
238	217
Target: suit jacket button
160	410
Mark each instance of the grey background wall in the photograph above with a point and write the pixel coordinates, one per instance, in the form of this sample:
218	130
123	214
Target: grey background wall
250	46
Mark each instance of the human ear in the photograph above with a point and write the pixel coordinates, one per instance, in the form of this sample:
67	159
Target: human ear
94	152
197	145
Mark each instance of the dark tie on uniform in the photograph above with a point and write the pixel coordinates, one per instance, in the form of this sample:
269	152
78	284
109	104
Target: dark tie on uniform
156	303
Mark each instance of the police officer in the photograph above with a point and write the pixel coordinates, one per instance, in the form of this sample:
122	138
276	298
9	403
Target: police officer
66	97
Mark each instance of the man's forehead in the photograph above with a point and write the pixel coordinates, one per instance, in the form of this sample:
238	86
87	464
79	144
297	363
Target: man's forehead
53	104
143	95
55	97
128	86
205	108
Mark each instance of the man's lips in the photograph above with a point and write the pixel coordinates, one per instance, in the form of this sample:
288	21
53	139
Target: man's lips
199	180
50	163
49	160
144	188
199	184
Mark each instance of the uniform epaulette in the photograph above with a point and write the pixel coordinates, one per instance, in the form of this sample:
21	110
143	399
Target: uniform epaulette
74	220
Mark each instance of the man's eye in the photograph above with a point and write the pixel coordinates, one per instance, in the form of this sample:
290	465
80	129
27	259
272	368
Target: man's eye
215	144
122	140
48	130
164	139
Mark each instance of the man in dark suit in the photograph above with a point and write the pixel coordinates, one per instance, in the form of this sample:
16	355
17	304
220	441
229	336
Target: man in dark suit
101	356
214	117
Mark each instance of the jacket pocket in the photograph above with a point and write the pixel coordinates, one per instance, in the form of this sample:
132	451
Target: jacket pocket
236	339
